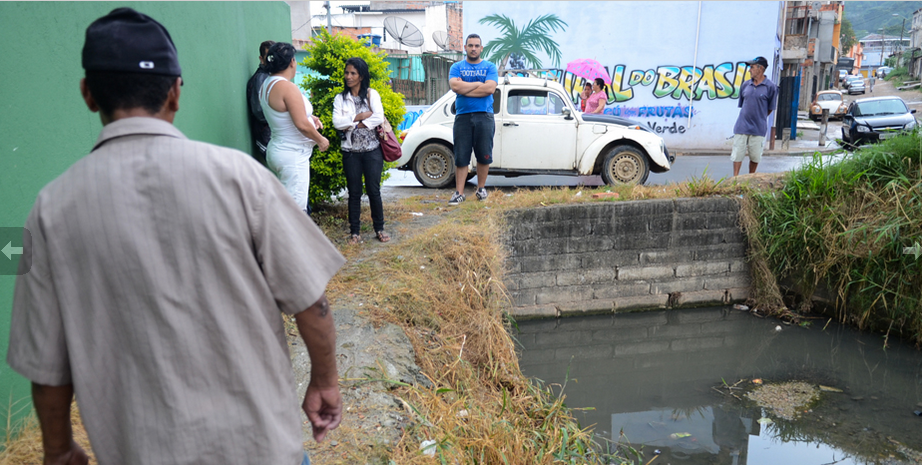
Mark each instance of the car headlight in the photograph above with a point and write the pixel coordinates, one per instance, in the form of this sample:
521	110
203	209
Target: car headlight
863	129
842	108
816	109
910	124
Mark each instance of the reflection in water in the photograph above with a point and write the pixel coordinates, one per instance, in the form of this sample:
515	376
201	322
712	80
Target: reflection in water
652	377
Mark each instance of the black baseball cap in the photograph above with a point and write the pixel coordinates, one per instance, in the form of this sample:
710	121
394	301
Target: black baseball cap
758	61
126	41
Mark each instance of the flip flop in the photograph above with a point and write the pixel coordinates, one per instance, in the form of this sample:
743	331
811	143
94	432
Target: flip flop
354	239
382	236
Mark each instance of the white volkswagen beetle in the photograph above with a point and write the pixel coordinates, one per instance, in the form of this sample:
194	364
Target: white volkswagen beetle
538	131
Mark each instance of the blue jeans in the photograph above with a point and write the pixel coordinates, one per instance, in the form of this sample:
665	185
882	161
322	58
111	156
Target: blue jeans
473	132
307	460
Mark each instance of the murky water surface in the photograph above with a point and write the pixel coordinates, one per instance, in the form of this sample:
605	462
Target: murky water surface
661	378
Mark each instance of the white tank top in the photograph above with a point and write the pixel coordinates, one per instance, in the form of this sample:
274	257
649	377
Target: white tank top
283	128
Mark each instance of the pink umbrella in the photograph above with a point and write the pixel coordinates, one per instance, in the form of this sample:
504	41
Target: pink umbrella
589	69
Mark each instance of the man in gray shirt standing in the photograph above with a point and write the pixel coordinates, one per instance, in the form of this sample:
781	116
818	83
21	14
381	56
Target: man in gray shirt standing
758	97
160	271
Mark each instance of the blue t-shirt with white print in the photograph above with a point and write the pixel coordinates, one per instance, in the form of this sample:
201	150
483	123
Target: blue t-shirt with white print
480	72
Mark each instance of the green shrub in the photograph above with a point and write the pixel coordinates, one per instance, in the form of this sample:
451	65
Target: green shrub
327	55
847	226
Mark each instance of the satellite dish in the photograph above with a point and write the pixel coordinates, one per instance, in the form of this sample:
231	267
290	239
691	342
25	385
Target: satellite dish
403	31
441	39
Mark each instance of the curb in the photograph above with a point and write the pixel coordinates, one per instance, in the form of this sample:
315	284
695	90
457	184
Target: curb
797	152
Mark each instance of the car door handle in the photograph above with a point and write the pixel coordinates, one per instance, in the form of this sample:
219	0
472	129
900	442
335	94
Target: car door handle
511	123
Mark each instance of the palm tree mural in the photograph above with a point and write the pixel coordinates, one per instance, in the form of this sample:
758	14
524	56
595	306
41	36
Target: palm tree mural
525	43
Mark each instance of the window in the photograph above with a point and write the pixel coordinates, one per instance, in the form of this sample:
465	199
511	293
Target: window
534	102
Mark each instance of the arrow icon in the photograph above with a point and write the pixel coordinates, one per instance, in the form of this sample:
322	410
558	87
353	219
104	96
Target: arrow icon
9	250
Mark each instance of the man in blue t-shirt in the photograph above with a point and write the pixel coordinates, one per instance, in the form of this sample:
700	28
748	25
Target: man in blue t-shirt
758	97
474	80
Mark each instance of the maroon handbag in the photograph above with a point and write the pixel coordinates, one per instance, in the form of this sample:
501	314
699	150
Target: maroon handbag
390	148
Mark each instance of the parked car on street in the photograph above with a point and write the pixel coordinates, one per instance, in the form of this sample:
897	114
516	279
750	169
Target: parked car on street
883	71
830	100
538	131
855	85
876	118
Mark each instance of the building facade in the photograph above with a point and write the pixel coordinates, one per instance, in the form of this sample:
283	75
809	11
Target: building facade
811	47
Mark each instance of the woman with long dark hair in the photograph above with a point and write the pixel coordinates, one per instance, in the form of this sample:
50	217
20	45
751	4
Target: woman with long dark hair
357	111
295	130
596	102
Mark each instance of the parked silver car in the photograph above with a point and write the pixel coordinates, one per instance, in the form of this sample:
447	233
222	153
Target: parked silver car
855	85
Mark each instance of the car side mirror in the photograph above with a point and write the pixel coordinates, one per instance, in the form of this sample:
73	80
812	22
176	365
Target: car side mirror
568	116
912	111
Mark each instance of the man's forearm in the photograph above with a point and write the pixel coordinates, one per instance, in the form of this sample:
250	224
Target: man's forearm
464	88
52	404
319	333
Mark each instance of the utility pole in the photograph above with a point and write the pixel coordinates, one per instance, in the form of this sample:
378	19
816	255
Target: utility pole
899	63
329	18
880	32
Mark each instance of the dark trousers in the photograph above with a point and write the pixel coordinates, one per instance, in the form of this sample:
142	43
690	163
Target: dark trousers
370	165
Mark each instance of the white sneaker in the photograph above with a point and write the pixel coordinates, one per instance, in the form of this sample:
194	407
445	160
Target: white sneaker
482	193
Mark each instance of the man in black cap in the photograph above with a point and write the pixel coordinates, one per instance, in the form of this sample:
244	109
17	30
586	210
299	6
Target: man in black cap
258	125
160	268
758	97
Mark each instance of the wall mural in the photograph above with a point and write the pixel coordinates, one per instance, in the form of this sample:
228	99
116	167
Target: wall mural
680	76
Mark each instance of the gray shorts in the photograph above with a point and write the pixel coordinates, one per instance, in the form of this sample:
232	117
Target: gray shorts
744	144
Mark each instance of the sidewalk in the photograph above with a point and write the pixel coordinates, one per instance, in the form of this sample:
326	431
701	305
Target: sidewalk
804	146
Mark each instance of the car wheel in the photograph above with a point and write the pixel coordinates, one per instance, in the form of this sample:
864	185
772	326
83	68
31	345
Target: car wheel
625	165
434	166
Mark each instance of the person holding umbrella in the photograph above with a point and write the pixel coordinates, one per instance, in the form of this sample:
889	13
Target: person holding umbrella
596	102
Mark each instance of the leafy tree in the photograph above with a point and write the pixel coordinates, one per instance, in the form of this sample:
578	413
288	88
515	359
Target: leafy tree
527	42
327	55
847	39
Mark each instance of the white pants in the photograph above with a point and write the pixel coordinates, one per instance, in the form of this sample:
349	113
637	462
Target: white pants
292	164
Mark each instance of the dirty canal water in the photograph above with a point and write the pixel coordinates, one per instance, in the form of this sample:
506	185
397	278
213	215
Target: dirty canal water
721	386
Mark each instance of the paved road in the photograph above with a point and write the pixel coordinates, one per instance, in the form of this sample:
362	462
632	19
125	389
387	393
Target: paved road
684	169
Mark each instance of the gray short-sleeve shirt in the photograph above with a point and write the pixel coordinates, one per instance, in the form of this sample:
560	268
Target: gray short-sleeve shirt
160	267
756	101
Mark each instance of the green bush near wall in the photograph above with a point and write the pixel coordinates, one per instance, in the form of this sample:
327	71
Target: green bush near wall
45	126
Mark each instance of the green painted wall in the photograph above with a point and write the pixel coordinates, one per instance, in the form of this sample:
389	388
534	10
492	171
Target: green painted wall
45	127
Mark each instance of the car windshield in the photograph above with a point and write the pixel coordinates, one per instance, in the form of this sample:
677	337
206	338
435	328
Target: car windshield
829	97
881	108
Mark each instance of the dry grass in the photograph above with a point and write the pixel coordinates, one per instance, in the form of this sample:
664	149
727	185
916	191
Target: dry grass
444	286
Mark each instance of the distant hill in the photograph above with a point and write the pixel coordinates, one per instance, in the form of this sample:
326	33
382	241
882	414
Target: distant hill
868	17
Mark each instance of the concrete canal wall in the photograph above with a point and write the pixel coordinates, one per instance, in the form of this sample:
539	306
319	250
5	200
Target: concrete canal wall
625	256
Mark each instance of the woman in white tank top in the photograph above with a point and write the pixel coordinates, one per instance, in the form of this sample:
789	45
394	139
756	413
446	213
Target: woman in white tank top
295	130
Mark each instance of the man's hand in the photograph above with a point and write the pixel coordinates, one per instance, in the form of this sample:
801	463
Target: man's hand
322	401
324	409
52	405
74	456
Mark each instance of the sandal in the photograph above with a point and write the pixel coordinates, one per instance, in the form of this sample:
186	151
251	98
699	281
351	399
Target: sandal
382	236
354	239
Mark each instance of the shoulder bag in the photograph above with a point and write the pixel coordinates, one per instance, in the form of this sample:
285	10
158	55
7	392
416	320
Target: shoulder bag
390	148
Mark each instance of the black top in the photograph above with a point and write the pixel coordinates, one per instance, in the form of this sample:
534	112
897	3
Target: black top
258	126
